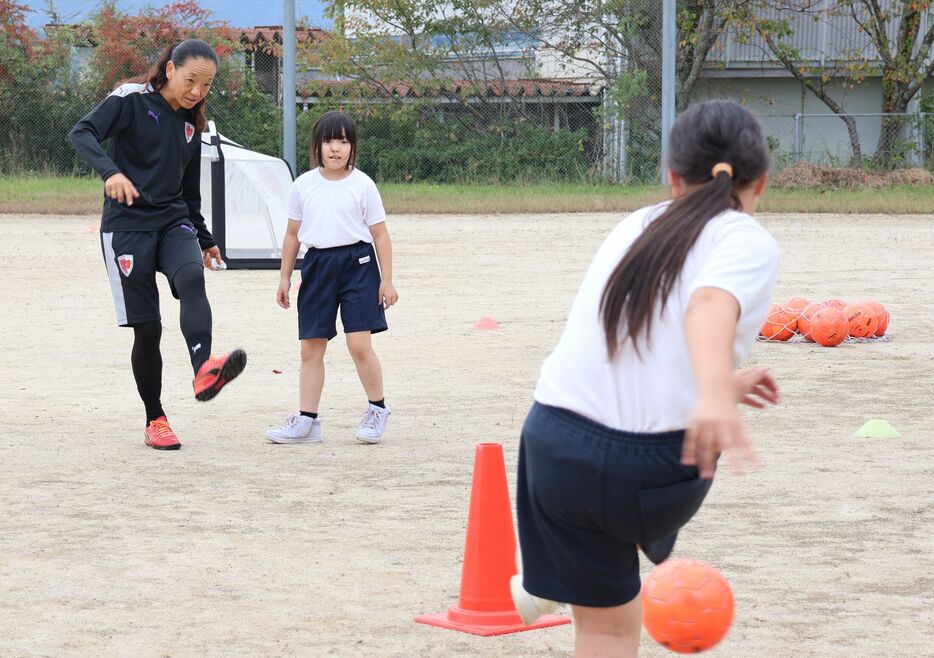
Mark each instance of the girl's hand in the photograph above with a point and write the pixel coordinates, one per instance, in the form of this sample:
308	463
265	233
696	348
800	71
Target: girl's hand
282	294
755	387
387	294
212	255
119	188
716	427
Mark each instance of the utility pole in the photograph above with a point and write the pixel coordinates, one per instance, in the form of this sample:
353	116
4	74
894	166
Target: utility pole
288	83
669	36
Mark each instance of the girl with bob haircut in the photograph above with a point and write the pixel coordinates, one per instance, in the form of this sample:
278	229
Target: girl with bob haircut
336	211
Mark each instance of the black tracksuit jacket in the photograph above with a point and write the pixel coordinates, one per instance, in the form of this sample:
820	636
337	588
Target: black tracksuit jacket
157	148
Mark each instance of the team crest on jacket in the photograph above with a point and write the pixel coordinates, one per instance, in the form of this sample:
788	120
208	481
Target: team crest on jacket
189	132
126	264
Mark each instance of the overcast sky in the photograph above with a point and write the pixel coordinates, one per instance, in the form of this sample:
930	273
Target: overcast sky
239	13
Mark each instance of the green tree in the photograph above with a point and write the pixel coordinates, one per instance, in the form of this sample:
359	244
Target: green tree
36	89
425	44
247	115
126	45
619	43
903	63
613	39
459	116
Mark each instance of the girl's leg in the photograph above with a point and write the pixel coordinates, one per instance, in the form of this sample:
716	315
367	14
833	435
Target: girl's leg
195	318
608	632
146	360
311	375
304	427
369	370
373	424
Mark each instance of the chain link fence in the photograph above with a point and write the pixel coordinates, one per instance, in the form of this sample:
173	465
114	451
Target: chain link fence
871	141
494	132
466	138
477	135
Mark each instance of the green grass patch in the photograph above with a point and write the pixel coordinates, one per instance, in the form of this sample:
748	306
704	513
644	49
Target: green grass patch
418	198
51	195
901	200
71	196
563	198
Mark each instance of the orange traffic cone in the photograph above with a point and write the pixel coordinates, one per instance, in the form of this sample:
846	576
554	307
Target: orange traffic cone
485	606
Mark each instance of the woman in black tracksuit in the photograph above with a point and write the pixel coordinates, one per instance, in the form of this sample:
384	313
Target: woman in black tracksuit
152	218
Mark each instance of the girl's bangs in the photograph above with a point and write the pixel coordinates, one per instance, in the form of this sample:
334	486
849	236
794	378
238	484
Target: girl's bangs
335	127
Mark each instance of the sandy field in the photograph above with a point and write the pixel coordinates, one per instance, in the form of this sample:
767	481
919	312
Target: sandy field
236	547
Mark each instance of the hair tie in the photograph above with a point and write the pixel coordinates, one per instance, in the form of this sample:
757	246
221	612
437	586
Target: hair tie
722	166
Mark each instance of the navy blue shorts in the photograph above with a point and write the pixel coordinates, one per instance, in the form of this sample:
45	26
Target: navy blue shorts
587	495
345	277
134	257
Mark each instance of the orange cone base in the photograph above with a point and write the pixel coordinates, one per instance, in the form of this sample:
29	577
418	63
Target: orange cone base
487	623
486	323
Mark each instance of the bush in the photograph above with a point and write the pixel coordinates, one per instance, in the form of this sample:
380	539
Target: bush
42	97
38	120
411	143
927	106
247	116
40	100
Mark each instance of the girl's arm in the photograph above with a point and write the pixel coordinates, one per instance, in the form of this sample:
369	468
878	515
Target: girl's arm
387	292
716	426
290	247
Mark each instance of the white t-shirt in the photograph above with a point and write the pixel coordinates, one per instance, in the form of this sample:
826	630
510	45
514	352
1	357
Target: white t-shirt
335	213
657	392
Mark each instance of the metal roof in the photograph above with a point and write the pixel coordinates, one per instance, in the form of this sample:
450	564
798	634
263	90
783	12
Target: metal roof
824	32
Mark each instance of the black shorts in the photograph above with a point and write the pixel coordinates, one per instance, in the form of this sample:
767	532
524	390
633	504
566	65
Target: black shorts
587	495
345	277
134	257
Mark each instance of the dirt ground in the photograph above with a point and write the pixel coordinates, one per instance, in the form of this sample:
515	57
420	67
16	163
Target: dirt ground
233	546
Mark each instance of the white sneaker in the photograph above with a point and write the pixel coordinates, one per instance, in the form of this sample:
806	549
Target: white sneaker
373	424
297	429
528	606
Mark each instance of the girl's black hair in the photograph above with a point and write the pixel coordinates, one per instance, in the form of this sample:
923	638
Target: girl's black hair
179	54
334	125
704	135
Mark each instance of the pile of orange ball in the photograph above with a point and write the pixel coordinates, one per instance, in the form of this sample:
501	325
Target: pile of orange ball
826	323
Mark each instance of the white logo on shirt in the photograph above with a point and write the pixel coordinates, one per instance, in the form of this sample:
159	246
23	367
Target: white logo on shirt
365	259
194	350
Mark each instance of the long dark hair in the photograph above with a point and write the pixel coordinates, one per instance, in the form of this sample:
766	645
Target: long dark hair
178	55
333	125
704	135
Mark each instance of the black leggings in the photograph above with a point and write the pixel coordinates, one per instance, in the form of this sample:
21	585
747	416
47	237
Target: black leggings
146	357
147	367
195	320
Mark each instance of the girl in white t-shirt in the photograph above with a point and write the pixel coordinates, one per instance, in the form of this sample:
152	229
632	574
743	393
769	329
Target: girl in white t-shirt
335	210
639	397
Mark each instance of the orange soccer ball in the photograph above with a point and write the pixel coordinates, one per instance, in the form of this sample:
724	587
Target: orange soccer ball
780	324
687	606
797	304
863	320
829	327
838	304
883	316
804	320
